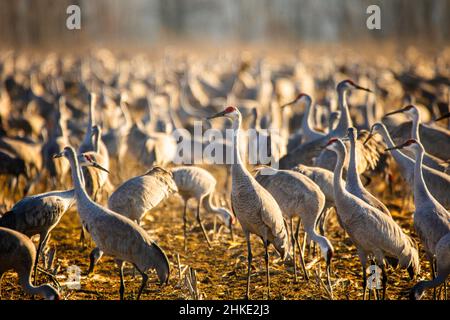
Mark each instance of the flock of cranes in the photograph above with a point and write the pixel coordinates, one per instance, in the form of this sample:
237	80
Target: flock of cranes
126	117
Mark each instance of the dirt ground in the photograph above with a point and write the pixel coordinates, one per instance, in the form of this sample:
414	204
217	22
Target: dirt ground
220	271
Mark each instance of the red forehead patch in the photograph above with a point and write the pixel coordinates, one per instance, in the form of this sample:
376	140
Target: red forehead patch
332	140
350	81
410	142
230	109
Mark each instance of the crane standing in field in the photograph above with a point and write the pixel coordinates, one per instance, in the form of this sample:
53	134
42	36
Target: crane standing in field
136	197
254	207
431	219
17	252
116	235
353	182
414	113
297	195
195	182
438	182
39	214
372	231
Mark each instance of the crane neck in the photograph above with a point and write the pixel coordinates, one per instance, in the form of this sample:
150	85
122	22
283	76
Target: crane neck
353	178
77	177
345	121
415	126
307	121
421	193
237	160
399	156
337	176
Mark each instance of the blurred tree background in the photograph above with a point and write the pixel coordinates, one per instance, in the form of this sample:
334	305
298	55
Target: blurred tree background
43	22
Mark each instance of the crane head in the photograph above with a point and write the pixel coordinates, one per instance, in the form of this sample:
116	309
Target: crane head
84	159
333	144
298	98
410	144
374	129
349	84
229	112
410	110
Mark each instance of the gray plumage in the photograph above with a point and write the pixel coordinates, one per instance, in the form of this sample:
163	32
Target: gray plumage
437	182
297	195
429	160
254	206
307	152
442	256
137	196
353	182
431	219
373	232
195	182
17	252
116	235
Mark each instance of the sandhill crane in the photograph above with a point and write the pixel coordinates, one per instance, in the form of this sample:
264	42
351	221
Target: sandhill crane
305	153
414	113
116	235
88	143
95	180
353	183
431	219
324	179
297	195
40	213
254	207
307	128
435	139
373	232
18	253
442	256
437	182
195	182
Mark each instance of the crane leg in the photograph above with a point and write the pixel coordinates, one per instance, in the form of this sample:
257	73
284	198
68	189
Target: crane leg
122	285
291	231
364	280
249	267
302	257
201	225
143	283
329	279
185	224
42	242
384	279
266	258
294	242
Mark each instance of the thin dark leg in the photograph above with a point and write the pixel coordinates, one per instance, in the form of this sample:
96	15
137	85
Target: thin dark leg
185	224
364	281
144	282
249	267
329	279
291	229
266	258
302	258
433	274
201	225
122	285
42	241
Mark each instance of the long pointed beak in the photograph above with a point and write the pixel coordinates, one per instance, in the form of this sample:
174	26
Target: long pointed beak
58	155
394	112
217	115
368	138
394	147
96	165
444	116
362	88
